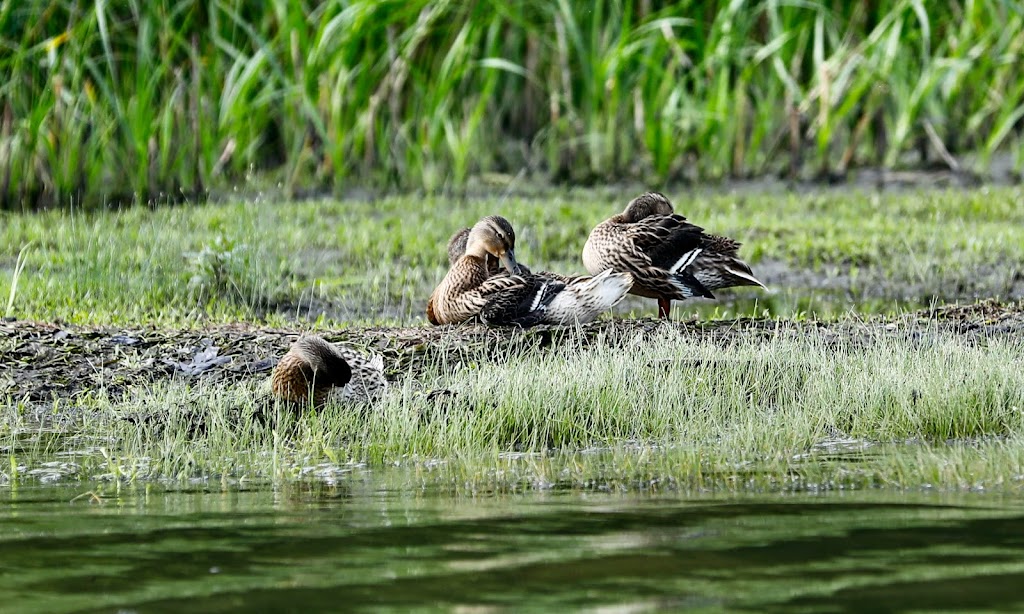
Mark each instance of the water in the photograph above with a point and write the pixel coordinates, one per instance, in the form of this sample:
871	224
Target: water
356	548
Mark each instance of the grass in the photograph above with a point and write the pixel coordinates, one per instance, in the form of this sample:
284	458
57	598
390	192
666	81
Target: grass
808	407
795	411
375	262
149	101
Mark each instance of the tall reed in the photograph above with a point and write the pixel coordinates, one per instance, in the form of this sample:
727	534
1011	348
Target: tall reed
121	101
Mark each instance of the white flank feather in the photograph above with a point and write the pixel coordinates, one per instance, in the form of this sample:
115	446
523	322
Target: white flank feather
585	299
747	276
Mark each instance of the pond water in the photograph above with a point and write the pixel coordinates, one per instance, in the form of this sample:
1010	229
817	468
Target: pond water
317	548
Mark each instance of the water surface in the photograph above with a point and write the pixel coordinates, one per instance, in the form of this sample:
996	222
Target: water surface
355	547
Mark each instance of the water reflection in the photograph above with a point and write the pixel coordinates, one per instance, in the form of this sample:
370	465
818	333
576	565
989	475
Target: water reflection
354	547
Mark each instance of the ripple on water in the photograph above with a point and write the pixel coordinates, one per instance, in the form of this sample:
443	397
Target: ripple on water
355	546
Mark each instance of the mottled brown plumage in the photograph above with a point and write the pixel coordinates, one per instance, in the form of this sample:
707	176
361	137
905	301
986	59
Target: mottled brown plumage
548	298
586	297
313	367
465	289
473	289
368	383
669	258
310	369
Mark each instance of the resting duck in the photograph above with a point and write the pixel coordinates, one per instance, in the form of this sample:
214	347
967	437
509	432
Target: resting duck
668	257
313	367
562	312
520	298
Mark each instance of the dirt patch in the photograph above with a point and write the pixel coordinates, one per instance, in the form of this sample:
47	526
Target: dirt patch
41	362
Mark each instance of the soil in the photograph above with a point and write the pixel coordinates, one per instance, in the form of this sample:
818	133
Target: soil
42	362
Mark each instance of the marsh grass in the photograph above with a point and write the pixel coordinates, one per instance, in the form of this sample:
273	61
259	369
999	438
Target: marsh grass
154	101
19	267
375	262
791	411
799	409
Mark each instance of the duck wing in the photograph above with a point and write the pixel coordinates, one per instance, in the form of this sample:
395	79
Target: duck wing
719	265
565	279
367	382
669	245
669	241
522	303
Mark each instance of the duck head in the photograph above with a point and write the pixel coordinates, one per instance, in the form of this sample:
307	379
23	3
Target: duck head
645	205
457	245
492	236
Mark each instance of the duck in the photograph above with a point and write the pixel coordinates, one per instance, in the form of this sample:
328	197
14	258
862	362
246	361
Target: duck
473	288
314	367
471	273
668	257
603	291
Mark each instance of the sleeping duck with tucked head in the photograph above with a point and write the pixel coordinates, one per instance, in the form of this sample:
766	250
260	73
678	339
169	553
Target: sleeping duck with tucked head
668	257
314	368
475	286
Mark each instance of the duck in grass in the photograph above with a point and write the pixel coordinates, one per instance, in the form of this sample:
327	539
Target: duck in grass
582	312
474	287
313	368
668	257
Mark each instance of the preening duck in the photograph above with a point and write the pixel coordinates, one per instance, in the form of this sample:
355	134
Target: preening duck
313	367
461	295
473	288
668	257
594	294
457	249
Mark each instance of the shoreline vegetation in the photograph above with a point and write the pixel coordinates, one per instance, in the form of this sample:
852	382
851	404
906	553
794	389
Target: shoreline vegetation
108	104
924	399
138	343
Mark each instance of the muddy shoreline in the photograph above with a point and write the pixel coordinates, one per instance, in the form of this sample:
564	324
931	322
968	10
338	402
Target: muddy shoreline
42	362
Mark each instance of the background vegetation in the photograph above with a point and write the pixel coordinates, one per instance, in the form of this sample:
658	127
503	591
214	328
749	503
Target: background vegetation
117	101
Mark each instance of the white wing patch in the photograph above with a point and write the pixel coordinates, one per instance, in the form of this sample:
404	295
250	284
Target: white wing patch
686	260
538	296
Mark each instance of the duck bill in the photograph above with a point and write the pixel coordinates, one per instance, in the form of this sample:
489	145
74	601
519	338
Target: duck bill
508	260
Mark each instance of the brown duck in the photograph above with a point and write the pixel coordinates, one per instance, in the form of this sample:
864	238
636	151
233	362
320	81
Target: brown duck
474	287
313	367
594	295
668	257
